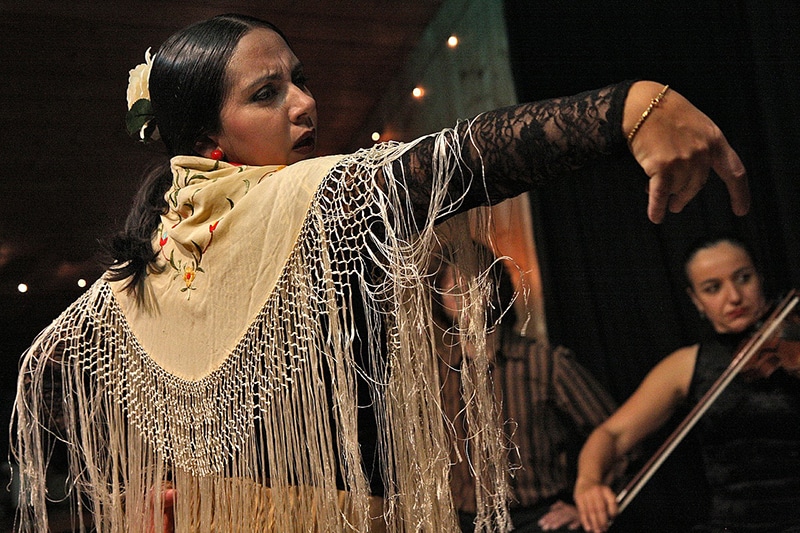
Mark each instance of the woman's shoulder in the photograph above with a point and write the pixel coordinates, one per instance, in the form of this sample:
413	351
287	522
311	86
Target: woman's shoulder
678	367
684	354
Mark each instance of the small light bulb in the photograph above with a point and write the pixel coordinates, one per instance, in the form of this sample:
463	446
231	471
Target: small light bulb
452	41
418	92
376	136
22	287
81	282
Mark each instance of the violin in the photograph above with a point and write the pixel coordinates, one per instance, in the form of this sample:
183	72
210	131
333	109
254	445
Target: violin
774	345
781	350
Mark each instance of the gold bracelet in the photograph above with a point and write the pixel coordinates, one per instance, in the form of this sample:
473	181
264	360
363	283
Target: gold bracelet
653	104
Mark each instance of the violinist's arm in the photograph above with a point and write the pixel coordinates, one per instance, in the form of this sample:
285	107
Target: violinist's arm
644	412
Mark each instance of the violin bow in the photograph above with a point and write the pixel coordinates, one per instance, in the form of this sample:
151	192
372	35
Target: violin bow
744	355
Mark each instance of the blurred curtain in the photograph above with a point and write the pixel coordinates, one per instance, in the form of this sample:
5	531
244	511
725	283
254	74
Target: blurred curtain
613	282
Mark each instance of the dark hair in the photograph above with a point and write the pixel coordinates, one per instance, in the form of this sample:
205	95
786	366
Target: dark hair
187	89
710	241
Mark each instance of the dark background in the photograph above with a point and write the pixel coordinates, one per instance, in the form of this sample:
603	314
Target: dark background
614	290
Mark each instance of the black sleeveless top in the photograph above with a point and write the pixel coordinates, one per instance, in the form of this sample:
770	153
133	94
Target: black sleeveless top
750	439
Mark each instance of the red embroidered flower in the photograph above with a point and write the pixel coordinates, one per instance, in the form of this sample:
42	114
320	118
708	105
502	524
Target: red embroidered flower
213	226
188	276
163	240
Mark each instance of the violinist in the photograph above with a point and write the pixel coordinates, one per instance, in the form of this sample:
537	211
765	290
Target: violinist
749	436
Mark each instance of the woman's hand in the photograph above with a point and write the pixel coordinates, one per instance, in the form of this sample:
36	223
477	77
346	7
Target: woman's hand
597	505
678	147
561	514
167	516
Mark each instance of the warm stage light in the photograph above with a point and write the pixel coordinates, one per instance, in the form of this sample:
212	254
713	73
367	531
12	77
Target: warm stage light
81	283
22	287
376	136
418	92
452	41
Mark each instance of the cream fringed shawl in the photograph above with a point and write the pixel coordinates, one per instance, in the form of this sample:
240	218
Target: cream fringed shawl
234	377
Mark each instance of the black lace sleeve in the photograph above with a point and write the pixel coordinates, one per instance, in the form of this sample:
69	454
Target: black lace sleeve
520	146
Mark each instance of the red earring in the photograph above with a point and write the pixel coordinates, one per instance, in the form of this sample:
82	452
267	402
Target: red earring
216	154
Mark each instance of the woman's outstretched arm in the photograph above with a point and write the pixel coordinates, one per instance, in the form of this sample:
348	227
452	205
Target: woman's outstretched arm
518	147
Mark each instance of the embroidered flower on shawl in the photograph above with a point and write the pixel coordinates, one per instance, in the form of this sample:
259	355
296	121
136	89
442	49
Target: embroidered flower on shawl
187	269
139	119
200	198
189	274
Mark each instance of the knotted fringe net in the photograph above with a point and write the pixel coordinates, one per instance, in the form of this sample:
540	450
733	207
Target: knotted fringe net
257	444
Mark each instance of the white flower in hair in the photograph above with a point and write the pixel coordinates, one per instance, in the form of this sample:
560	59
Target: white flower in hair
139	119
139	80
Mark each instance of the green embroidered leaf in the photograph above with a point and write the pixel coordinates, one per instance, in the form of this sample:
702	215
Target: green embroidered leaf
198	257
197	177
229	201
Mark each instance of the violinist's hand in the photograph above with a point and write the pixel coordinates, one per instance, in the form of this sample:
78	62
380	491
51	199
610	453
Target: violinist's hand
561	514
597	505
678	147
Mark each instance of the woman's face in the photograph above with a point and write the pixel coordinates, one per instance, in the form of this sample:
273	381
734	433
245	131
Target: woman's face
269	116
726	287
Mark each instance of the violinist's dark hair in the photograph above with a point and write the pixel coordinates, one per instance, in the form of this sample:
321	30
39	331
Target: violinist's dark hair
187	89
710	241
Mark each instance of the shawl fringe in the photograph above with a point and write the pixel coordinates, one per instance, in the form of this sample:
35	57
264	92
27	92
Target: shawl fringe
268	440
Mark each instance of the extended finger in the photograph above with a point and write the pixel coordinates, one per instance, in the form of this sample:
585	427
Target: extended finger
730	169
658	198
